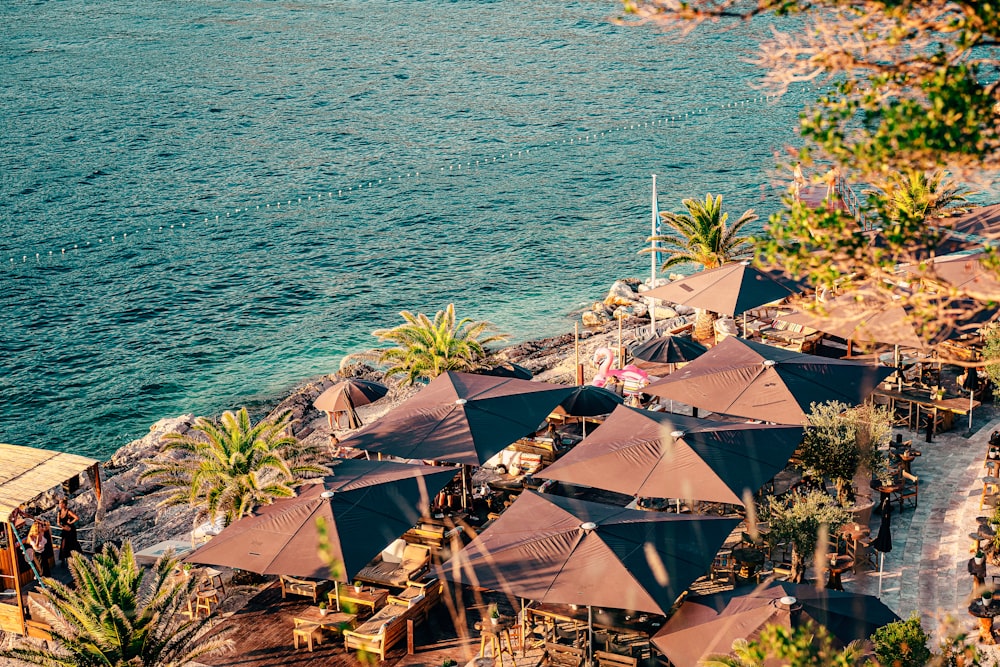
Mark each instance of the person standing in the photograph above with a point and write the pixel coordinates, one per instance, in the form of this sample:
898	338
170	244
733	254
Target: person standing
37	543
67	519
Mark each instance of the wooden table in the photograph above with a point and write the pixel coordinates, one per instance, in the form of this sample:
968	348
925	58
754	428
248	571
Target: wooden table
836	568
371	597
749	559
915	400
608	619
985	615
333	621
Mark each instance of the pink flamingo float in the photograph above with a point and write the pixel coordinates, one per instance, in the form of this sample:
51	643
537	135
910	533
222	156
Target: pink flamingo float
632	377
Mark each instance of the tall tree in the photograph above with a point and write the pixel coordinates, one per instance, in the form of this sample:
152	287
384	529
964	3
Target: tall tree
911	89
702	237
230	468
426	349
116	616
916	194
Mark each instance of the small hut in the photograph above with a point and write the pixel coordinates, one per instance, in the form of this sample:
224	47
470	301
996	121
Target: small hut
25	474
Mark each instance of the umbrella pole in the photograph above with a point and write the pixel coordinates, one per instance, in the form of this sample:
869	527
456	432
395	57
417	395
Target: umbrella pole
881	562
576	347
972	398
590	635
621	350
336	593
524	632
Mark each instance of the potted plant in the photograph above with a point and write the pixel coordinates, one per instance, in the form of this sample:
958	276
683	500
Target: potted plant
322	608
979	557
357	586
987	597
494	613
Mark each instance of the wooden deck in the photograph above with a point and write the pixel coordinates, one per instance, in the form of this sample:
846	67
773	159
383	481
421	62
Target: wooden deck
262	632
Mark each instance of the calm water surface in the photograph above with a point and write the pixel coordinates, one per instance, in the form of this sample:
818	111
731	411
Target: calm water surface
129	126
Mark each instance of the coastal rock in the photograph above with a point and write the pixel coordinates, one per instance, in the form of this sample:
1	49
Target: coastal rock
150	444
645	286
621	294
665	313
592	319
683	310
599	308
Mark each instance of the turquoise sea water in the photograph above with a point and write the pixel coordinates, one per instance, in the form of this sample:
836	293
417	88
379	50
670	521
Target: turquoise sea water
153	141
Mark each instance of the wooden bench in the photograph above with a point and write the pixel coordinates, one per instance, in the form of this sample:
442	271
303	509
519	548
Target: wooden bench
388	626
304	587
426	535
560	655
606	659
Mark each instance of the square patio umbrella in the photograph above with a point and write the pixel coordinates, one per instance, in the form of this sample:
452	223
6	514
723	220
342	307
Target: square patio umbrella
661	355
730	289
966	272
706	625
567	551
365	504
747	379
462	418
660	455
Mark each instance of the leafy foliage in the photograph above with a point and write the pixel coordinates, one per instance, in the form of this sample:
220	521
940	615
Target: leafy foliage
902	644
797	519
702	236
918	195
991	350
841	440
426	349
806	645
230	468
113	617
912	92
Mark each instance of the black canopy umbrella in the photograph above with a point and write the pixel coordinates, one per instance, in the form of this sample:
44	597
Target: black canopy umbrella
669	350
461	417
883	541
507	370
366	505
706	625
589	401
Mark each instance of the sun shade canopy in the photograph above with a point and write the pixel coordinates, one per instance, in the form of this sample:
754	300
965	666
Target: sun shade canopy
26	473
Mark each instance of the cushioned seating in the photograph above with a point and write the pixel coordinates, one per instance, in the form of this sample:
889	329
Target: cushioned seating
416	559
388	625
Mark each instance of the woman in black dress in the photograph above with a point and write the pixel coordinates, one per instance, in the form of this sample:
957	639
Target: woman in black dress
67	522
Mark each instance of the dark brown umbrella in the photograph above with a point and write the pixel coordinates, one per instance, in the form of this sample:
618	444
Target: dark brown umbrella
660	356
461	417
567	551
707	625
730	289
965	272
757	381
365	504
863	315
660	455
346	396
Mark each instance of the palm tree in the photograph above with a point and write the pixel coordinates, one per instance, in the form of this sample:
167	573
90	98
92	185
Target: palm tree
112	617
702	237
426	349
229	469
916	195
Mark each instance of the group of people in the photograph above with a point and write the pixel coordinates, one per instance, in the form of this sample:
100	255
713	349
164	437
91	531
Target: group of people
38	544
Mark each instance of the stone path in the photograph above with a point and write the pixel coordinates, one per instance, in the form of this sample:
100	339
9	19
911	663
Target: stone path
926	570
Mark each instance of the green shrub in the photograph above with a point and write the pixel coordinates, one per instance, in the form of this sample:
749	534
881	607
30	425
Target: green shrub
902	644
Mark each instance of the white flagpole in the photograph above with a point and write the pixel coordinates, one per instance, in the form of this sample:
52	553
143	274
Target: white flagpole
654	228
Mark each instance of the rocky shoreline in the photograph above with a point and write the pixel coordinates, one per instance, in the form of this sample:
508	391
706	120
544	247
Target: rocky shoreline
130	511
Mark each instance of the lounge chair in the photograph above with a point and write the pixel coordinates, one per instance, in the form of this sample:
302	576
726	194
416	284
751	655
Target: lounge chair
309	589
388	626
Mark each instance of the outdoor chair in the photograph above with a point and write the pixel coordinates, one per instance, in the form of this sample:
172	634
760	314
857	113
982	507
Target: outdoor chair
387	626
307	632
910	490
291	585
558	655
722	566
606	659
